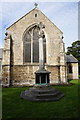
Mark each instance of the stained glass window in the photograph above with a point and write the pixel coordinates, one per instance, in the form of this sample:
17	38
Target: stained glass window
31	45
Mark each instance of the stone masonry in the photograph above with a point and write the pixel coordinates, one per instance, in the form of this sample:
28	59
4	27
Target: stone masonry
15	70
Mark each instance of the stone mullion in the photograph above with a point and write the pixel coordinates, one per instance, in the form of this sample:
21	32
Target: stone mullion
32	46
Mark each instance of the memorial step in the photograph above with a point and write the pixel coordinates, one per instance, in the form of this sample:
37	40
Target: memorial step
37	94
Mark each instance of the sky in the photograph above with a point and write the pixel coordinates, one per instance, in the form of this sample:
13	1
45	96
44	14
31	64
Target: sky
63	14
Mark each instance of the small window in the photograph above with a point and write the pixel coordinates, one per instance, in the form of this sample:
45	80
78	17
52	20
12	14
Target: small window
70	68
35	15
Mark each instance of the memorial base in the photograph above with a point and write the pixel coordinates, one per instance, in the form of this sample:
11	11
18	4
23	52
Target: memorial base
42	93
42	76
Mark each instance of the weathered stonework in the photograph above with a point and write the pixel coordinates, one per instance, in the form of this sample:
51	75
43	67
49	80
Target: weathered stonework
75	70
15	70
53	36
5	74
25	74
74	74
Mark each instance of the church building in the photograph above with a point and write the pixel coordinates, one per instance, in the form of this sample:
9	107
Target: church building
21	52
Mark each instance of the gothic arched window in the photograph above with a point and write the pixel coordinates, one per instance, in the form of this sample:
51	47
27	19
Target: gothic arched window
27	47
31	45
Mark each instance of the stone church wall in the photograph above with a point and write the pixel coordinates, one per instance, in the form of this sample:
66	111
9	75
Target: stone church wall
52	33
74	74
5	74
25	74
21	73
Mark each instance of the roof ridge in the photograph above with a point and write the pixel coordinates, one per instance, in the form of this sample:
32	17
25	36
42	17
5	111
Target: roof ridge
73	57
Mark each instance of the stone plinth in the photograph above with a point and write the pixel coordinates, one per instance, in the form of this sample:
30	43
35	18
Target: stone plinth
42	93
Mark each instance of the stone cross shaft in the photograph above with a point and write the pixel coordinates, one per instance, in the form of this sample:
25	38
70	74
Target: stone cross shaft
41	50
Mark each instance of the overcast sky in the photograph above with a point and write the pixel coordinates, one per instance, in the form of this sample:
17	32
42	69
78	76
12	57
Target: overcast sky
63	14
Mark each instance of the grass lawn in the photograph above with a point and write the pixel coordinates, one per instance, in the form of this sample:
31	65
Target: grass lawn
15	108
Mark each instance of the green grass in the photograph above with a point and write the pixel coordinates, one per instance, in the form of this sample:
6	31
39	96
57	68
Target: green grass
16	108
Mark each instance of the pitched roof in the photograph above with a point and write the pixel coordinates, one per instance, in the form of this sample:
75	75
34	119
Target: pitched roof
30	12
1	53
71	59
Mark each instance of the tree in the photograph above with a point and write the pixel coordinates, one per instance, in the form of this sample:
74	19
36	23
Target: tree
74	49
